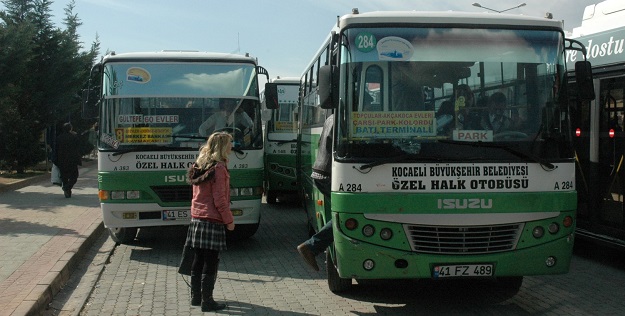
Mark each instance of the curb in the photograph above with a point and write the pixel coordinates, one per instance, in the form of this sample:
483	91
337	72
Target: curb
18	184
55	280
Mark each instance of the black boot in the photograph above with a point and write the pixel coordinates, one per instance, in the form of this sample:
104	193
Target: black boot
208	303
196	290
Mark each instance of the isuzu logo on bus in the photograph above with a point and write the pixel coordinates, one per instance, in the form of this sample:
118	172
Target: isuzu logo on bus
464	203
176	178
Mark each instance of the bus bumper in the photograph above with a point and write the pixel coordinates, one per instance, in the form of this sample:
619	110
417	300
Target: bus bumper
398	264
151	214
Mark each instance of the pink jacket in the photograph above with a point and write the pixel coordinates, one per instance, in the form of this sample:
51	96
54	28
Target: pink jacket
211	197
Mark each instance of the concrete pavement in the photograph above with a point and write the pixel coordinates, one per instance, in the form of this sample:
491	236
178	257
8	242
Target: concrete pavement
42	237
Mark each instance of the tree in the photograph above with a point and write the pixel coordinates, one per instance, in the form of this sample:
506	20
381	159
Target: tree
43	72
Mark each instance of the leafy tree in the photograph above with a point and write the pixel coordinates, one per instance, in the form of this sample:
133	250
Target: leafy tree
42	72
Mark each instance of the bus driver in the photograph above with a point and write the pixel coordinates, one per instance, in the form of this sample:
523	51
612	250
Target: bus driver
224	118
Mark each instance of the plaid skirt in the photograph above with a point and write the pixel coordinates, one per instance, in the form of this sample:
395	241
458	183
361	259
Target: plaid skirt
206	235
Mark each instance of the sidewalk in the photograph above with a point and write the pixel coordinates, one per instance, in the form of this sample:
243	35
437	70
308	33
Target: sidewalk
43	235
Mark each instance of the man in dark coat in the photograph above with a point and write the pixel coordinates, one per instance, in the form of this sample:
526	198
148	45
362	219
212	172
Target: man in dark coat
68	158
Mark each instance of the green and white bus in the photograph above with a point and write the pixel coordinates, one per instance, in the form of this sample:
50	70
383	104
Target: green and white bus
412	199
281	140
150	108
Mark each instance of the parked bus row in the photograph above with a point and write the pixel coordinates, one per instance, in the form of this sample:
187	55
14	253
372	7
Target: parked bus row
465	145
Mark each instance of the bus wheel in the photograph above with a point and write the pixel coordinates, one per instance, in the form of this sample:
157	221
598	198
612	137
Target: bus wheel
123	235
272	197
509	286
242	231
335	282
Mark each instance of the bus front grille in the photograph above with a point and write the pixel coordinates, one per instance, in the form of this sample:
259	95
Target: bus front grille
463	239
173	193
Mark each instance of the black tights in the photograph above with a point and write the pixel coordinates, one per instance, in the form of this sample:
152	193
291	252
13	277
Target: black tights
205	261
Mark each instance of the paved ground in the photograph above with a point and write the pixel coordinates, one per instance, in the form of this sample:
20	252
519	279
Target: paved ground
42	236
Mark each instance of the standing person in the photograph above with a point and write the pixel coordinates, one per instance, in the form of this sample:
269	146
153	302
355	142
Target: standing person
210	217
67	158
322	176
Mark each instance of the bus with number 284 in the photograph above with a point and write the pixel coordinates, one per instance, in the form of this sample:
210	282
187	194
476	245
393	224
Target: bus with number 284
452	150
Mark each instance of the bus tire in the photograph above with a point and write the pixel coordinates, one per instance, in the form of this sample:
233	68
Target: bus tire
123	235
272	197
242	231
509	286
335	282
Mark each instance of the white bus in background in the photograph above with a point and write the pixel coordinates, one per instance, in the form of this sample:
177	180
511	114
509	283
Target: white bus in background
598	125
281	141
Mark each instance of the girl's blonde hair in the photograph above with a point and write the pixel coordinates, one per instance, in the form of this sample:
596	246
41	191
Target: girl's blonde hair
215	149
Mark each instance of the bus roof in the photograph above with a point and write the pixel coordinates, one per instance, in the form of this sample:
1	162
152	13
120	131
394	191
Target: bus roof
603	16
285	80
178	56
446	18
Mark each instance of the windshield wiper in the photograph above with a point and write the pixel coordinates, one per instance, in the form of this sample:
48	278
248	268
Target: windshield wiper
518	153
282	142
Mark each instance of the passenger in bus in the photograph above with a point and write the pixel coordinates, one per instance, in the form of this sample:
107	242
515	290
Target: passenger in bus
496	119
322	176
210	217
225	117
445	118
464	101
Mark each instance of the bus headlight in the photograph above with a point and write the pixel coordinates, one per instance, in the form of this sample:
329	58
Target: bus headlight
118	195
538	232
368	230
553	228
386	234
368	264
246	191
132	195
351	224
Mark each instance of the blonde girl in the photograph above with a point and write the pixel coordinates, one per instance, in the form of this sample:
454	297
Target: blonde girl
210	217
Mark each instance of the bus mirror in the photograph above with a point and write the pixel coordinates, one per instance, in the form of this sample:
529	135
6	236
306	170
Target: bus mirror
265	115
271	96
89	105
583	77
326	87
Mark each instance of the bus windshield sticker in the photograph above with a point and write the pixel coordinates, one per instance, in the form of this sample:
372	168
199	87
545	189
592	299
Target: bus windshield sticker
109	140
147	119
144	135
365	42
473	135
138	75
394	48
393	124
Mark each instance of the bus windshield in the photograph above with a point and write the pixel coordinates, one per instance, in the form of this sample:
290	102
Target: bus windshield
285	116
178	105
426	89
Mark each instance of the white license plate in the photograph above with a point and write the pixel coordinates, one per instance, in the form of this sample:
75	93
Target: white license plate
175	215
463	270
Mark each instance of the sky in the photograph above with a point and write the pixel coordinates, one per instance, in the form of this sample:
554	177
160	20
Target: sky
282	34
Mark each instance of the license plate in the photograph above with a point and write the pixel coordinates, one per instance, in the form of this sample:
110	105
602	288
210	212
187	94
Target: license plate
175	215
463	270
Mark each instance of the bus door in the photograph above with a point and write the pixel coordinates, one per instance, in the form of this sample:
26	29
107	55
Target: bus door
609	175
